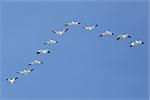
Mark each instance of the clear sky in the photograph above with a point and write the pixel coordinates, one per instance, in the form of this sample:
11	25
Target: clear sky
82	66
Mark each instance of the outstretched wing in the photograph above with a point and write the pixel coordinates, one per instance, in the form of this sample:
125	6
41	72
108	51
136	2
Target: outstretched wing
66	30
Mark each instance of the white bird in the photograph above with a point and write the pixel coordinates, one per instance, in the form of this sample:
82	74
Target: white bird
136	43
35	62
12	81
43	51
123	36
106	33
60	32
25	71
51	41
72	23
90	27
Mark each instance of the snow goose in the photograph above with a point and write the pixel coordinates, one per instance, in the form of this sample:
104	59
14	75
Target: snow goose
43	51
12	80
136	43
90	27
35	62
72	23
123	36
51	41
106	33
60	32
25	71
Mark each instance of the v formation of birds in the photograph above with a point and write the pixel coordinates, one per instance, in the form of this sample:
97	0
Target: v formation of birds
60	33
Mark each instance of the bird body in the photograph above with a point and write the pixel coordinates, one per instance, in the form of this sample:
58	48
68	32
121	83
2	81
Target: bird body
51	41
136	43
36	62
60	32
72	23
25	71
12	81
123	36
43	51
106	33
89	28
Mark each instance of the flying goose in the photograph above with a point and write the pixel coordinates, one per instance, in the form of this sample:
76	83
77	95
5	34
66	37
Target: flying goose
35	62
106	33
136	43
43	51
72	23
90	27
60	32
12	80
25	71
123	36
51	41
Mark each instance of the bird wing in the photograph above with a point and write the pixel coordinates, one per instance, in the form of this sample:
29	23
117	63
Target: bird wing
54	31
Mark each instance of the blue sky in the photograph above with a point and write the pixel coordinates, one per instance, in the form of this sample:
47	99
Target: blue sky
82	65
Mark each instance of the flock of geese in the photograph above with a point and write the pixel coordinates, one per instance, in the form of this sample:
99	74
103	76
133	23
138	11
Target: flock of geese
60	33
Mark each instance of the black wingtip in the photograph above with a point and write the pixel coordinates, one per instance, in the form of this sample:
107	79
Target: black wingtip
100	35
65	25
48	51
130	45
32	70
118	38
38	53
53	31
66	29
129	36
17	72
